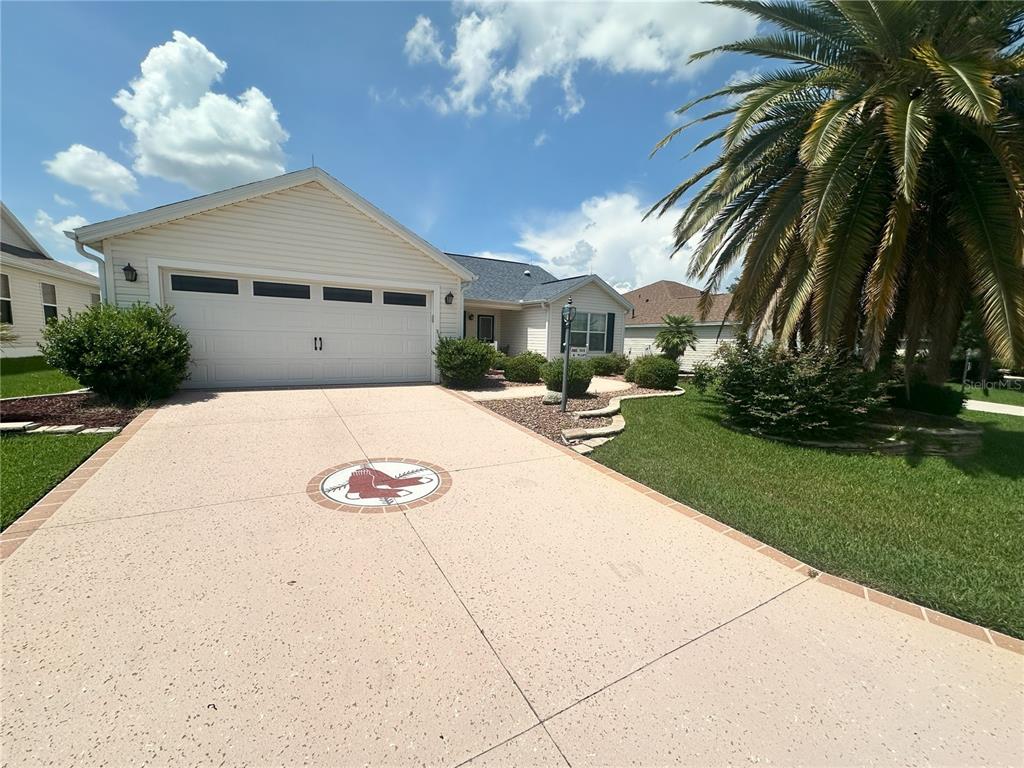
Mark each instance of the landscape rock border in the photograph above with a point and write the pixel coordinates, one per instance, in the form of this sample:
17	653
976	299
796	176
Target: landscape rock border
587	434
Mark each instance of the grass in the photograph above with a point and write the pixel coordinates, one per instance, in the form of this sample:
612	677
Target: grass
948	535
1005	395
31	376
33	464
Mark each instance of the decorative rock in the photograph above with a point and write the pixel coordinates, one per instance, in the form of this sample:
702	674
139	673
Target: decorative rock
582	449
618	424
594	442
65	429
552	398
613	405
17	426
100	431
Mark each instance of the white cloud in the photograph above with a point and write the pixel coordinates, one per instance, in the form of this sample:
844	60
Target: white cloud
61	200
502	50
187	133
606	235
541	139
107	180
50	233
422	43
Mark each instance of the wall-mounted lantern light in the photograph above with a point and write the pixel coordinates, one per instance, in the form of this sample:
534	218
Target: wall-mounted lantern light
470	315
449	298
130	273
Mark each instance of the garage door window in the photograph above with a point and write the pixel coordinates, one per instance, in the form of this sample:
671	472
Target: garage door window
358	295
280	290
405	299
196	284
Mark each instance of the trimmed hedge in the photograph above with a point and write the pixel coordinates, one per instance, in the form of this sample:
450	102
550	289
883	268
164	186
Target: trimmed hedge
500	360
463	362
654	372
524	368
609	365
126	354
580	375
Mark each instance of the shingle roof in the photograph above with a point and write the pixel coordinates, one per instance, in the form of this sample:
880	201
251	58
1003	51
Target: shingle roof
499	280
49	266
666	297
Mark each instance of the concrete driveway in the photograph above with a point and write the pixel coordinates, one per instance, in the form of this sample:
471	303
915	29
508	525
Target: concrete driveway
192	604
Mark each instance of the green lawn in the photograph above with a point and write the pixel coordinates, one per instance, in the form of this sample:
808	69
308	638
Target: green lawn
31	376
946	535
33	464
994	395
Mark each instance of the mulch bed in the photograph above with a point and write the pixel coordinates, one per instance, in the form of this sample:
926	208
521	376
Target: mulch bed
494	381
548	420
86	409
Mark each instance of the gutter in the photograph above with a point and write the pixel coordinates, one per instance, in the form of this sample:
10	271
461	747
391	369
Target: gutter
102	273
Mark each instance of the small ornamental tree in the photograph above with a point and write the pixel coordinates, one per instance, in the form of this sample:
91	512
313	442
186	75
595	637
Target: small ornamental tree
124	354
676	336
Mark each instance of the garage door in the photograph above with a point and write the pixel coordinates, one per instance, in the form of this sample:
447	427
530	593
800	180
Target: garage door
252	331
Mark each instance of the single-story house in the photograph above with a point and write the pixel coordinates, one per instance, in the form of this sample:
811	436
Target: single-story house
652	302
517	306
298	280
35	287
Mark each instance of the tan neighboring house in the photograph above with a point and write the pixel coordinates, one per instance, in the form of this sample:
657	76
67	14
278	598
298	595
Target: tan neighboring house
34	287
666	297
297	280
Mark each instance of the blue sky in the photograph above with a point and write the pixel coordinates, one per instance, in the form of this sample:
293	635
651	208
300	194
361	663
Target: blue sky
514	130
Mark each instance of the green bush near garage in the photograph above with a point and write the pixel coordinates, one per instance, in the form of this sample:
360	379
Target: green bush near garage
524	368
580	375
463	362
127	355
653	372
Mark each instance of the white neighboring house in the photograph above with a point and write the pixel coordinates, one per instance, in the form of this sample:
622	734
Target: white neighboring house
34	287
666	297
297	280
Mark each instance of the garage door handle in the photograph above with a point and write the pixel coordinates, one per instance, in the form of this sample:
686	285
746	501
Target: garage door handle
321	338
316	340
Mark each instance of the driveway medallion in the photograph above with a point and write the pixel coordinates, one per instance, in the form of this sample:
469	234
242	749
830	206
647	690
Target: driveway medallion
379	485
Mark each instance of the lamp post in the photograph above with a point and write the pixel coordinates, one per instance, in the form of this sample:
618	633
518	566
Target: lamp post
568	315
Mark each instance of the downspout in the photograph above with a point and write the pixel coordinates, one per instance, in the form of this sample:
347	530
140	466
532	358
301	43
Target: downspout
99	261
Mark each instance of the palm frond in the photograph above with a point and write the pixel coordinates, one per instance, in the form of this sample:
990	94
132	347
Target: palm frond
965	85
908	123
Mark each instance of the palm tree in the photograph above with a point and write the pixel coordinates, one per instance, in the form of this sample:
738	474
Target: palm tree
676	336
871	186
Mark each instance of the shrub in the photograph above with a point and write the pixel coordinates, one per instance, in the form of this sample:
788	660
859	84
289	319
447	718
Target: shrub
127	355
812	394
928	398
654	372
580	374
524	368
463	362
609	365
704	374
500	360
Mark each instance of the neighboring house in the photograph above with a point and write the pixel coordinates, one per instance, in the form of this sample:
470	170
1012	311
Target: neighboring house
298	280
35	288
517	306
665	297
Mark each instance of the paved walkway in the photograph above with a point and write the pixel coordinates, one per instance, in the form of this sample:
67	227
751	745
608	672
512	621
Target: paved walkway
190	604
987	407
598	385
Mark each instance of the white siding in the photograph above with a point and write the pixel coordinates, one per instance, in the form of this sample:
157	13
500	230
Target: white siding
27	304
589	298
640	341
305	229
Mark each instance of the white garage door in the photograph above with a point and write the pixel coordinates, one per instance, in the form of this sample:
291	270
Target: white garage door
251	331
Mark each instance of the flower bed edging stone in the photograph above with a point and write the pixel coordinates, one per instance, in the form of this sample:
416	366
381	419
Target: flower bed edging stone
881	599
618	421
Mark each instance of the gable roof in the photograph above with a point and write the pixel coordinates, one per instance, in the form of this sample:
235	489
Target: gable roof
35	259
93	235
667	297
520	282
8	219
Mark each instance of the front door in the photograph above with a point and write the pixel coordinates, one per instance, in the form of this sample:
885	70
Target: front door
485	328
